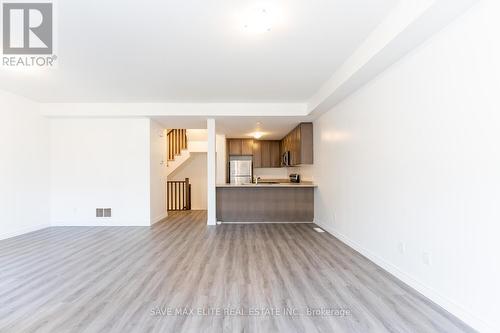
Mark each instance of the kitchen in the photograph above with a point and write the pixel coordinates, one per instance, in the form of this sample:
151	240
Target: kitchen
264	182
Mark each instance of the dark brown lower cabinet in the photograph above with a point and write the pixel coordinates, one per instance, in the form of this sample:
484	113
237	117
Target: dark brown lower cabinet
265	204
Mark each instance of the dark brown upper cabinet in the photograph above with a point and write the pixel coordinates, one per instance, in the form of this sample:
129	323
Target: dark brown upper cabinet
257	154
234	146
240	147
265	150
299	142
266	154
247	147
275	154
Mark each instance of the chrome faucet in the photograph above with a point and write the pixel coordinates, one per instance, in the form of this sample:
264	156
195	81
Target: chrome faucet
256	180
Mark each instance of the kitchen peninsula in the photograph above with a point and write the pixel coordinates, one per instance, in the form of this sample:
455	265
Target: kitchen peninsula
266	202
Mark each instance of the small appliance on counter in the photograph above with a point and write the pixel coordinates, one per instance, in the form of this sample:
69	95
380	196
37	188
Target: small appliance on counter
294	178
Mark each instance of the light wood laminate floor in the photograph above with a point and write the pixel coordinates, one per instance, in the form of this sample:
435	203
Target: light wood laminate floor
133	279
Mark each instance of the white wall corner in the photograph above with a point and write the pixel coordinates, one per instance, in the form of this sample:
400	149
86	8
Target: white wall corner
159	218
158	171
23	231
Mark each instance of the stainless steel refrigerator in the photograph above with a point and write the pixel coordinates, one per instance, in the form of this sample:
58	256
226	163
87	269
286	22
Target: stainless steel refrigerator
240	169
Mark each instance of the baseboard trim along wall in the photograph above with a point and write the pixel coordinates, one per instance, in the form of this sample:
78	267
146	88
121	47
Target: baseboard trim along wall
23	231
101	224
159	218
447	304
275	222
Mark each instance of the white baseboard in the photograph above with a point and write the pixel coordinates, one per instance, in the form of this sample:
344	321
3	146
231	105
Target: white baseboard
100	224
444	302
229	222
22	231
159	218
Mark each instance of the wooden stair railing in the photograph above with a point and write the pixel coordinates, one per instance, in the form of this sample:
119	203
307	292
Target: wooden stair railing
178	195
177	141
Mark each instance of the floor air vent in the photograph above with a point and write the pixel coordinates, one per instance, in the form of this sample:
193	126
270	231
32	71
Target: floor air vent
318	229
103	212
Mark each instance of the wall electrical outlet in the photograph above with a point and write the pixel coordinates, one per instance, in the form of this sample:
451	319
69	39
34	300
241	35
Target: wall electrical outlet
333	215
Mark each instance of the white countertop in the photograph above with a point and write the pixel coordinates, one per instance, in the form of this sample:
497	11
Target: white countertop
301	184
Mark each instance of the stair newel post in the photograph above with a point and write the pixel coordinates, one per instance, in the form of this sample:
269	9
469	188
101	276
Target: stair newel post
176	142
189	201
179	141
185	139
173	143
187	193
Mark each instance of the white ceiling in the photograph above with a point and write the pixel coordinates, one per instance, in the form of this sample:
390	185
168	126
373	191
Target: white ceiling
194	50
273	128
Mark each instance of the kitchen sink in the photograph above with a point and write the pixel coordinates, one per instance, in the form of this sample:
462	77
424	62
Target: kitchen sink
264	183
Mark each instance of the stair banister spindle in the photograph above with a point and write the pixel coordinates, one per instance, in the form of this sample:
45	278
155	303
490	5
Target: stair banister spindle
178	195
177	141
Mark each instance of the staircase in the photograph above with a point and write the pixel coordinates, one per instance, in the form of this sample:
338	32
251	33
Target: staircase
177	150
181	143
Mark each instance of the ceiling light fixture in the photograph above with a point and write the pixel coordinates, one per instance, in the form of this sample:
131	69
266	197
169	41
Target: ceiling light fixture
257	135
259	20
258	131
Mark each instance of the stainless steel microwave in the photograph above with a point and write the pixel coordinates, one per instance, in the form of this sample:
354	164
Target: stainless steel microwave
285	159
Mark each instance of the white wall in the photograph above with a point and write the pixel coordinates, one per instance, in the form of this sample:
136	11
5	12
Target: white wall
414	158
24	171
195	168
100	163
211	171
197	140
221	168
158	172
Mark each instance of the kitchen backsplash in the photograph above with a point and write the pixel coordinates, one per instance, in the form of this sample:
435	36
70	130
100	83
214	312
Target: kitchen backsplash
305	171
